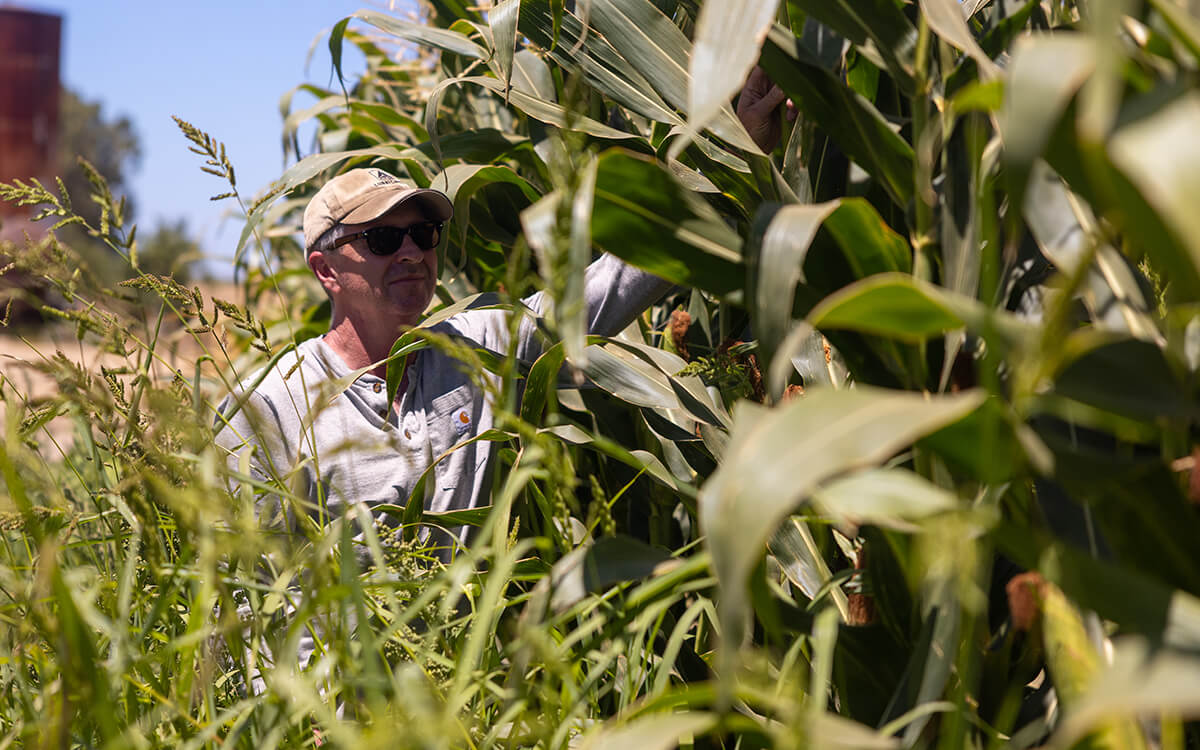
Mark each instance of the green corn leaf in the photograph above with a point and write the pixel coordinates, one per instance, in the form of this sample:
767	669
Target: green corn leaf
802	562
481	146
1158	156
892	498
531	75
778	266
602	66
335	50
503	21
657	49
645	217
725	48
850	120
570	309
1111	290
776	458
651	731
886	305
796	235
901	307
1183	23
1143	682
540	384
639	460
597	566
876	25
1137	602
1043	76
1127	376
1076	670
946	19
538	109
429	36
462	181
629	378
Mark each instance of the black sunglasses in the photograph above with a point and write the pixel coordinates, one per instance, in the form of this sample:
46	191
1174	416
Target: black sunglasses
386	240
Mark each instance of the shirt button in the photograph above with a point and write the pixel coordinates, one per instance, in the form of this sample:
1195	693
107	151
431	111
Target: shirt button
378	387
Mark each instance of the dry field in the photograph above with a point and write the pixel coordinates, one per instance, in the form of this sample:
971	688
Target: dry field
25	354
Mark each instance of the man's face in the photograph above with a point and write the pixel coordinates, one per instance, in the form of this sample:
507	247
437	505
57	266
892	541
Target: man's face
389	290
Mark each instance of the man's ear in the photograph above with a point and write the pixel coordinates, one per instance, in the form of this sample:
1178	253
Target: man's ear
325	273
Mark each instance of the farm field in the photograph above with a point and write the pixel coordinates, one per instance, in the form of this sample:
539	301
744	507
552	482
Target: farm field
902	457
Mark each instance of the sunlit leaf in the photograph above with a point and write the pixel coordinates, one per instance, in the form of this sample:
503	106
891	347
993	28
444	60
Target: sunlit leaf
725	48
629	378
776	458
430	36
543	111
1141	682
503	20
540	384
945	17
570	309
1159	156
656	47
640	460
884	497
1111	290
602	65
461	181
652	731
803	563
779	268
1044	75
532	76
886	305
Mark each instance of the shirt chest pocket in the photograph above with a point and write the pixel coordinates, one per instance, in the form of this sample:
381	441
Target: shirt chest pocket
454	417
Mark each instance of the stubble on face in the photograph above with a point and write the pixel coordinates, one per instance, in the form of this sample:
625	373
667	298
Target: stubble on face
392	290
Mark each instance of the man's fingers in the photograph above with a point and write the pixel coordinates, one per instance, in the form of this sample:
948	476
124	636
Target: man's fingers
757	82
772	99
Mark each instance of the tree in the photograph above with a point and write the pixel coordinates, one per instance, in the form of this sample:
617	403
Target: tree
112	146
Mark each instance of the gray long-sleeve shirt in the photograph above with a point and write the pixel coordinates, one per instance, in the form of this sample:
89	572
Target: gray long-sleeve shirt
333	439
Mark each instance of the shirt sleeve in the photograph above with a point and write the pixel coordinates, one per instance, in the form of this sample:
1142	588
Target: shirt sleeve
616	293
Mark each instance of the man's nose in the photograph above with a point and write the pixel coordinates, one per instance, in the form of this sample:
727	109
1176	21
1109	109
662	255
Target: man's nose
408	251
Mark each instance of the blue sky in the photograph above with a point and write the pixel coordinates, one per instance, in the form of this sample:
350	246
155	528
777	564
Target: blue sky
221	65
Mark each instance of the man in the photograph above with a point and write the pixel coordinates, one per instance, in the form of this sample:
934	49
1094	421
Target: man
320	418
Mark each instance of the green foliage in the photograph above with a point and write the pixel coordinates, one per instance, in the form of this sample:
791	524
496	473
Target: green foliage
954	264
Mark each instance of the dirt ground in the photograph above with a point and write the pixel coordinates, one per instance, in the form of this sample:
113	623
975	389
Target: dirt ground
21	351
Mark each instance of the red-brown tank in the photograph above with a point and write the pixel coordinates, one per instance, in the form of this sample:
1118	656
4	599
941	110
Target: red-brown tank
29	53
29	47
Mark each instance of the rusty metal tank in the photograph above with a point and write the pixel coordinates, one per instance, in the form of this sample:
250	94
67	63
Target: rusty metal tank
29	93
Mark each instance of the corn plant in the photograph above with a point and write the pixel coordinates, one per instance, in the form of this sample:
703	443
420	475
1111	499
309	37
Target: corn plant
904	461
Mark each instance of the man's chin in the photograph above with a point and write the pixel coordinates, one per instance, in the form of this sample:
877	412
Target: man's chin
409	310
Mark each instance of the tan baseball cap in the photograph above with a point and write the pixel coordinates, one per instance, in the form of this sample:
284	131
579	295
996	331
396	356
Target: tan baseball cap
363	195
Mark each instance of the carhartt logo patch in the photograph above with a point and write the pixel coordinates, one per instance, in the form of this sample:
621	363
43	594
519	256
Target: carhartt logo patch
462	422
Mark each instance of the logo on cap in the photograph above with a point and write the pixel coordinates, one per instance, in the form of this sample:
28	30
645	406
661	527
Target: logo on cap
383	178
